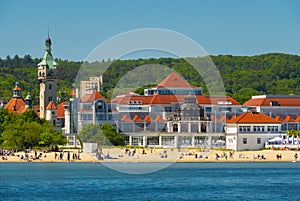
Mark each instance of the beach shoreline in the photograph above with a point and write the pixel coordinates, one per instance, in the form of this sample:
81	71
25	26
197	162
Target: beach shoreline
158	156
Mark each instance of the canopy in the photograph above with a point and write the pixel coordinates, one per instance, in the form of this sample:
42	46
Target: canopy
276	139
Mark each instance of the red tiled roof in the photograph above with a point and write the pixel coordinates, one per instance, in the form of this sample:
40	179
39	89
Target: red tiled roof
168	99
124	100
253	117
16	105
17	88
136	118
61	109
125	118
289	119
51	106
174	80
232	118
147	119
91	97
282	101
297	119
278	118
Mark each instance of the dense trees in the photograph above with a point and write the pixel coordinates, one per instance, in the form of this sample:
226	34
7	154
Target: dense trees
27	130
243	76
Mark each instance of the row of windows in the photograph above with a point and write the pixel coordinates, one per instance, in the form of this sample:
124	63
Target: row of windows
179	91
244	128
258	128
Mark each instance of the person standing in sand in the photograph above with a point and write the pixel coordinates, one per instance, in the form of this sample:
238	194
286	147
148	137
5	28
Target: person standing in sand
296	156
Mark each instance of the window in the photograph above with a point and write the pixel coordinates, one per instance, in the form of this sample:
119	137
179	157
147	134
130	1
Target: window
50	86
244	128
258	140
244	140
168	109
50	98
272	128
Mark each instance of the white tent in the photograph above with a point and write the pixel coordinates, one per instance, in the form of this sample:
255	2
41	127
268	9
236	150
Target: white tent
276	139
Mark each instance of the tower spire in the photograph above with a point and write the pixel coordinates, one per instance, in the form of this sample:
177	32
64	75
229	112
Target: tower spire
47	76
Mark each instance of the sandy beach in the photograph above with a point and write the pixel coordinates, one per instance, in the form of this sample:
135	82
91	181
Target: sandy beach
161	155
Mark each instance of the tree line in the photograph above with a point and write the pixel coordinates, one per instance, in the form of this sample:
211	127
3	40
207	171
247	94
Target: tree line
243	76
27	131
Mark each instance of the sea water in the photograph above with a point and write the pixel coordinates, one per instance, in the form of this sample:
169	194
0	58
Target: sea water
180	181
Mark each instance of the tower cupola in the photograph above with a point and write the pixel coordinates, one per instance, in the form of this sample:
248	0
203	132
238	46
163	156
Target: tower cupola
17	91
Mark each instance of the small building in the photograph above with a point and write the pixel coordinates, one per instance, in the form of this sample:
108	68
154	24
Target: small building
17	104
88	87
250	131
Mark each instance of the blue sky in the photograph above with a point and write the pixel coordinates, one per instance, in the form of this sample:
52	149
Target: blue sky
220	27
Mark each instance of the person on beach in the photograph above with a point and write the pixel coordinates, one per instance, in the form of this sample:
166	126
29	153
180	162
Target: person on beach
296	156
78	155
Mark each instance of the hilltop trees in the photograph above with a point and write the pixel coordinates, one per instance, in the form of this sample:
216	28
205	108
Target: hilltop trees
243	76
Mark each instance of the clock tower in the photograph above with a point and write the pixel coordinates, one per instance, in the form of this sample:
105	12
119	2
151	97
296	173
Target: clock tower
47	76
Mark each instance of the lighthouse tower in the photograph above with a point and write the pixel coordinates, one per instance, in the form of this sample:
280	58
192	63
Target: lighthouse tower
47	76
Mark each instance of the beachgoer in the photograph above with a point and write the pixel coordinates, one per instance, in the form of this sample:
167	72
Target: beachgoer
217	156
296	156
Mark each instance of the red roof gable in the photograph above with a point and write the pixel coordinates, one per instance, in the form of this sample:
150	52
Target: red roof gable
16	105
147	119
125	118
253	117
17	88
51	106
289	119
61	109
174	80
91	97
136	118
278	118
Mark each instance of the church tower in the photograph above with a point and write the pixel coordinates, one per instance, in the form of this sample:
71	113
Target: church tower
47	76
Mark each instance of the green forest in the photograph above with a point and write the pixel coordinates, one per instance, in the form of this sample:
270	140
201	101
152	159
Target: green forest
243	76
28	131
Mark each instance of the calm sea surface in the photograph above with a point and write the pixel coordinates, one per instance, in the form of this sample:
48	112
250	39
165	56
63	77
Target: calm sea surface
181	181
